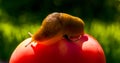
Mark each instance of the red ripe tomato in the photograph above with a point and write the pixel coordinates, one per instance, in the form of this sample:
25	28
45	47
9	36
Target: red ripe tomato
86	50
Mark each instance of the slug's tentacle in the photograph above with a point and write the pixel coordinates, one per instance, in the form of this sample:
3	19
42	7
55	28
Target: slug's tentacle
31	40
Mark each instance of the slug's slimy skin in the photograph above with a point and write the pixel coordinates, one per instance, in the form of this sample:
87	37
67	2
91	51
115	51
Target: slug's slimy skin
59	25
50	27
72	26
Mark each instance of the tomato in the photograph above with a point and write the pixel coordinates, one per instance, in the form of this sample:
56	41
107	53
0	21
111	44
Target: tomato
86	50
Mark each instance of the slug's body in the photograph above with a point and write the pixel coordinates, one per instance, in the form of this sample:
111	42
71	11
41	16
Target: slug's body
59	25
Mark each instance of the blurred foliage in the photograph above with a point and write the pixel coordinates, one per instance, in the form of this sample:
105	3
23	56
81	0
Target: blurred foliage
102	18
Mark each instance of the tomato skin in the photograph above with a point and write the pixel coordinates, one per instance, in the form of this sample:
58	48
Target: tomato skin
87	50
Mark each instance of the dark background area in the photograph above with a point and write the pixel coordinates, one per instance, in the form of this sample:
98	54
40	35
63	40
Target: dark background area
102	18
86	9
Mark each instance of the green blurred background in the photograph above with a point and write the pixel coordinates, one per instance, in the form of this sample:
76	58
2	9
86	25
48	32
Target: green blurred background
102	18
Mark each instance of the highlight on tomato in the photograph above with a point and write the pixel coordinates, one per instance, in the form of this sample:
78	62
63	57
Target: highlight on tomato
85	50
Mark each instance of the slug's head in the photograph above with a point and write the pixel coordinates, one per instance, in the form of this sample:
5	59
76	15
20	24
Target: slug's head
50	27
